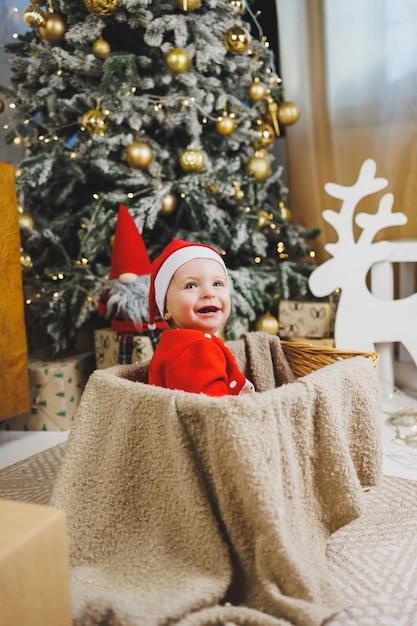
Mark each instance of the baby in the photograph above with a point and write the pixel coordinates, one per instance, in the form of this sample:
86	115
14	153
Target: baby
190	290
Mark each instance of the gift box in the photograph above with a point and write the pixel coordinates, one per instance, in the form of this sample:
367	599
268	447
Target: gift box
34	566
306	319
106	346
55	391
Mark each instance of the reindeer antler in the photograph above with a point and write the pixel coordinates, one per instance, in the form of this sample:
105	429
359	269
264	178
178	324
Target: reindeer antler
342	221
372	223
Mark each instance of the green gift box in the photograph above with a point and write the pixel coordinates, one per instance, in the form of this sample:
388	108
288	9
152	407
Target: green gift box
55	392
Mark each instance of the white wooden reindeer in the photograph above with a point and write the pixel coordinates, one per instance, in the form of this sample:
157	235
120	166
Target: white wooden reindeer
362	318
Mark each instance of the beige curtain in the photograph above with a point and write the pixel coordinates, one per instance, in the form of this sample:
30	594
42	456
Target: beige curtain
351	67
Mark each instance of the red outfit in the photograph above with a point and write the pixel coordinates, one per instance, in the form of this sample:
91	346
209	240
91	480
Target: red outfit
195	361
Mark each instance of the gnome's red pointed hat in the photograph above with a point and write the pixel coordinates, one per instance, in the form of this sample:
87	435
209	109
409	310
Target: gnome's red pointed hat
166	264
129	254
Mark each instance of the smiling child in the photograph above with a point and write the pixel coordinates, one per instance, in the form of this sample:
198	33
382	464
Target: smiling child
190	289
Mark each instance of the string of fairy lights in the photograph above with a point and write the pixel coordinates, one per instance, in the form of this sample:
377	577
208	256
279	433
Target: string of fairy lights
96	121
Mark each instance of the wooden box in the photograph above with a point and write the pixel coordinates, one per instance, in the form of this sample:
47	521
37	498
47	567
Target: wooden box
34	566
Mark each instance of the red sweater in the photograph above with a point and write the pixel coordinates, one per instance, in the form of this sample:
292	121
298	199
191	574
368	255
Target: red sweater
195	361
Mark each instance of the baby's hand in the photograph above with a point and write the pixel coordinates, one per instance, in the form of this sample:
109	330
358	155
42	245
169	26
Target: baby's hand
248	388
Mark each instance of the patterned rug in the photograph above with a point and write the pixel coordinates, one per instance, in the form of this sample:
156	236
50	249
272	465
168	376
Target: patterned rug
31	480
374	558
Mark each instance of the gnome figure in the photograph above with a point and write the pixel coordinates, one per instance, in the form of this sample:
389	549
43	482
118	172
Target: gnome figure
124	300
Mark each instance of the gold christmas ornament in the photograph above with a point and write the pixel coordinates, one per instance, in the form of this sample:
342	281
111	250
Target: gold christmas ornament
177	60
266	135
53	29
26	261
285	212
259	166
102	8
239	5
2	106
257	90
272	115
239	193
288	113
264	218
168	204
101	48
212	188
267	323
26	220
38	2
226	125
139	155
188	5
95	121
237	40
192	160
33	16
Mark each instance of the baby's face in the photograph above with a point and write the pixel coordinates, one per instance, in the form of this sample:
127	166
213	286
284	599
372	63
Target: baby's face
198	296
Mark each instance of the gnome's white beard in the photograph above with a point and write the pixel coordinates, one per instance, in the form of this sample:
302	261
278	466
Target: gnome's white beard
131	299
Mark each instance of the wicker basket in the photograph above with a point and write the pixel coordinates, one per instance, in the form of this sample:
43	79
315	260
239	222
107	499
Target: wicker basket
305	358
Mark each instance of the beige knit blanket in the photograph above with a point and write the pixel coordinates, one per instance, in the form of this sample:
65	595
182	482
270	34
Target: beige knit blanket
197	511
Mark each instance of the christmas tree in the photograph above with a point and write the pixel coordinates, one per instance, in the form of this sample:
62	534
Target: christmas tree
170	107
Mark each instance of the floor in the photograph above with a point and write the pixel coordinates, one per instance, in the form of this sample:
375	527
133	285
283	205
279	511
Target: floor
399	459
18	445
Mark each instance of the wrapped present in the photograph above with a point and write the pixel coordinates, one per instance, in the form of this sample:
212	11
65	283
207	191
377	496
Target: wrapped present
108	348
142	349
34	566
312	319
55	390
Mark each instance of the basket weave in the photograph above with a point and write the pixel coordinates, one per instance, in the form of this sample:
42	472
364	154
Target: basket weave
305	358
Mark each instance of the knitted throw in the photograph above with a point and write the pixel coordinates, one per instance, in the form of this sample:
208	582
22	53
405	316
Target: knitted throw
197	511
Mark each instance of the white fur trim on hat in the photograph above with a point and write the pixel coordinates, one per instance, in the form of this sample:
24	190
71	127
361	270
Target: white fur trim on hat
173	262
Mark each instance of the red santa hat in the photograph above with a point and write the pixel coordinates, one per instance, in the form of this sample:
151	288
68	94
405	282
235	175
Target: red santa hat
129	254
166	264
